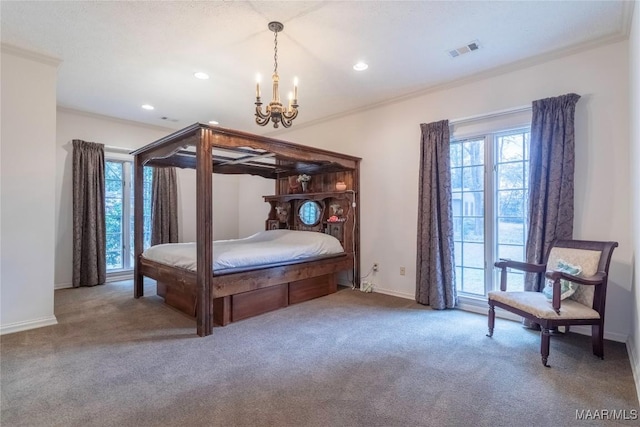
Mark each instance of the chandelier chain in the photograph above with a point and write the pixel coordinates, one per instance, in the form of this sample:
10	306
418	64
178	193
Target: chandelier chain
275	54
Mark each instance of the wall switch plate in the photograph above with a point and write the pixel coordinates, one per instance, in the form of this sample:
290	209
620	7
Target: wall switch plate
402	271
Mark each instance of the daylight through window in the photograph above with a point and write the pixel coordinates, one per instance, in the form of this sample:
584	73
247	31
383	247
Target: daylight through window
119	213
489	180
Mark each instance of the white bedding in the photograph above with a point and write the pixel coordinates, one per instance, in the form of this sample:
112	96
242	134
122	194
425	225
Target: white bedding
265	247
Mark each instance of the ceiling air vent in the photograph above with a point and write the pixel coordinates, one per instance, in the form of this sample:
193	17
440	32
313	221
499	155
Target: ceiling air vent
469	47
168	119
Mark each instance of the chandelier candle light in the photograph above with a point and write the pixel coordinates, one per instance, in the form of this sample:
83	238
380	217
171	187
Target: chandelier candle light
275	111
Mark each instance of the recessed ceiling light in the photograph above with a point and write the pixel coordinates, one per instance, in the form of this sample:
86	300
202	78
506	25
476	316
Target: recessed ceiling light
200	75
360	66
213	122
148	107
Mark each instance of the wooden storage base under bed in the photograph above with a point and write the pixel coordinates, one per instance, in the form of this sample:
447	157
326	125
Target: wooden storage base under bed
232	308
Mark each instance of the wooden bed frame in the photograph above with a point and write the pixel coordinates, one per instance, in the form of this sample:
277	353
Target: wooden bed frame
221	297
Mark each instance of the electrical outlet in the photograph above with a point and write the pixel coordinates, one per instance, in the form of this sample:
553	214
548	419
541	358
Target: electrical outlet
375	266
402	271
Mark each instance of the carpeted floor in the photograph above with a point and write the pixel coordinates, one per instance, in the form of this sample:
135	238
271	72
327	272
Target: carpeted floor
348	359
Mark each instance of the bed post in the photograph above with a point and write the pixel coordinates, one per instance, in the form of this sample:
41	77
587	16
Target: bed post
138	225
356	249
204	230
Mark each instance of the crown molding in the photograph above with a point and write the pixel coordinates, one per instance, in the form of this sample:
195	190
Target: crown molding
29	54
112	119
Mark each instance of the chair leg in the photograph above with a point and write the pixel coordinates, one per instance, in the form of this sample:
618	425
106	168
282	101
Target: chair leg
597	340
545	338
492	319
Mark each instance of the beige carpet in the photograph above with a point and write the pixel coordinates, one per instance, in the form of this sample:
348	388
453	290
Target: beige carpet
349	359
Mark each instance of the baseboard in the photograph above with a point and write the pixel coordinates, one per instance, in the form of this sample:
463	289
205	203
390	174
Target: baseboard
634	358
29	324
393	293
62	286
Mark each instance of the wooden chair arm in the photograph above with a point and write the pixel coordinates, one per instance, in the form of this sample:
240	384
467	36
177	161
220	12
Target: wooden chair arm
522	266
503	264
596	279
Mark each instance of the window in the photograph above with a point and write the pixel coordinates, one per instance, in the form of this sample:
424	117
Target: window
309	212
489	185
119	213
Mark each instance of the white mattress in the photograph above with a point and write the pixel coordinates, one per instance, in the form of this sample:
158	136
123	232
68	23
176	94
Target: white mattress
265	247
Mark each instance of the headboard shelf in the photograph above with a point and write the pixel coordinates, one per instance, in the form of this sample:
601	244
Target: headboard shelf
310	196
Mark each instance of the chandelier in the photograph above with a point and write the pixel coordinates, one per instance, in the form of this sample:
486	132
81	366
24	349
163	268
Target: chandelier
275	111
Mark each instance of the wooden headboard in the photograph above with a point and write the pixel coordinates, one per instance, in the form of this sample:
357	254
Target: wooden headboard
337	214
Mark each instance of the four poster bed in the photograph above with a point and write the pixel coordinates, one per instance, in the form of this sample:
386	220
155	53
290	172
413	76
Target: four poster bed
224	281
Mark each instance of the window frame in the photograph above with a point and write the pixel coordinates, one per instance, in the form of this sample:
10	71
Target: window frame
490	190
127	239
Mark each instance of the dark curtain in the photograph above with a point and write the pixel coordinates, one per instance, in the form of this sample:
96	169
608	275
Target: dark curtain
164	206
435	276
552	158
89	230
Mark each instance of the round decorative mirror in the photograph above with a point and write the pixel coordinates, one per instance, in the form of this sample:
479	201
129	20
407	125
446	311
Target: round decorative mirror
309	212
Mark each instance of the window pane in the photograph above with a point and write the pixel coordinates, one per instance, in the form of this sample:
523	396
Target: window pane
473	281
473	152
114	199
475	201
473	229
510	148
456	179
473	178
456	154
120	227
515	282
510	175
457	229
515	253
511	203
147	182
114	260
473	255
113	171
511	231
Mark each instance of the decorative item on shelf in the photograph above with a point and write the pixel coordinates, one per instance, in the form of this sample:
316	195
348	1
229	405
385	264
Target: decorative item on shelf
341	186
333	218
282	213
304	181
275	111
294	185
336	210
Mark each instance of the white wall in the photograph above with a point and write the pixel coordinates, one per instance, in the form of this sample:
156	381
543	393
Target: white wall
28	170
225	206
634	91
388	137
252	209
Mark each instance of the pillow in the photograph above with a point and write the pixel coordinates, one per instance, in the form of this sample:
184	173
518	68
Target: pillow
566	287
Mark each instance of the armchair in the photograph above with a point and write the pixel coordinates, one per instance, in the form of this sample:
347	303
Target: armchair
584	307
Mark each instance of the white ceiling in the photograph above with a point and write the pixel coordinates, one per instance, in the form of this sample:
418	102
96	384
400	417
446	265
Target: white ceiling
119	55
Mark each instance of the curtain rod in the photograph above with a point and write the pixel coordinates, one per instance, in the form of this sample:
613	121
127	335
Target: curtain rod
506	112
